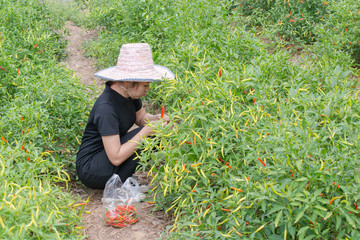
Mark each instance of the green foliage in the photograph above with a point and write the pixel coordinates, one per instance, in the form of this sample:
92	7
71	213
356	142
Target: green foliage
42	111
341	31
292	20
233	103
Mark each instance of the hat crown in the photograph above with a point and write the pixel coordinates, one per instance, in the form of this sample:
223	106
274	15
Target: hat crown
135	57
135	63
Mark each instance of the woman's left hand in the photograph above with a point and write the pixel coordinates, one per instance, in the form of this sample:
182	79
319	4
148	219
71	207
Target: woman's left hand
165	118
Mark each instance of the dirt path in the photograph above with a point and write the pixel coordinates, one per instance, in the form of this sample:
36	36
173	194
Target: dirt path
150	224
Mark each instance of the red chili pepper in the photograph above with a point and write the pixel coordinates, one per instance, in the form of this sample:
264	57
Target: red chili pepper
220	74
346	30
208	206
262	162
162	111
356	207
221	160
2	68
226	210
188	142
22	147
28	159
35	45
247	224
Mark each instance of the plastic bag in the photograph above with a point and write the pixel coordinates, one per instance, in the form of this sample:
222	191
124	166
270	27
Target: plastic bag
118	200
117	193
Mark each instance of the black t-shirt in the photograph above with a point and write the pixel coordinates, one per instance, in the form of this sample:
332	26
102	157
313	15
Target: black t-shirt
112	114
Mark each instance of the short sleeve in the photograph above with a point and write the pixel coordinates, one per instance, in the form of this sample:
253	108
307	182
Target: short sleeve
106	120
137	104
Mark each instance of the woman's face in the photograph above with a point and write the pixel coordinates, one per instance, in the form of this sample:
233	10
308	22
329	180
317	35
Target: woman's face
139	90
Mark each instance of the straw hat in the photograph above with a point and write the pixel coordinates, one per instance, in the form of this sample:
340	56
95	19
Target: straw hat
135	63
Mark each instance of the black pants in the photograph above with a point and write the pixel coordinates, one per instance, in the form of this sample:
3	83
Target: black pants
95	172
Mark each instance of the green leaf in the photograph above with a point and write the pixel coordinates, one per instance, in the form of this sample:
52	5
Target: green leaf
320	207
292	92
277	219
302	232
329	214
299	215
350	220
301	179
299	165
276	208
338	222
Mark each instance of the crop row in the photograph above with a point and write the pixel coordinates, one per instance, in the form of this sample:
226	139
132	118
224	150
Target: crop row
262	148
42	111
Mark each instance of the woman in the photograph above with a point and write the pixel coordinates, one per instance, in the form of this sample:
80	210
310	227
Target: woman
107	145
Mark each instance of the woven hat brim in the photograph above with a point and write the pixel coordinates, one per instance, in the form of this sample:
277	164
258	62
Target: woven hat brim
153	75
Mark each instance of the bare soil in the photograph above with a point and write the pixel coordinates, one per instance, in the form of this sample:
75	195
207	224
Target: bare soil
151	223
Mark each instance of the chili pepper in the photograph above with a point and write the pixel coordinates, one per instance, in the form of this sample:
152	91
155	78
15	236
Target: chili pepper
195	165
194	140
3	139
2	68
162	111
188	142
226	210
22	147
332	200
356	207
247	223
239	190
346	30
262	162
220	73
208	206
28	159
35	45
221	160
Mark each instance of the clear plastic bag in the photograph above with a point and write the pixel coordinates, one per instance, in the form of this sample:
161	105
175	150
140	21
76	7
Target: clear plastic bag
118	199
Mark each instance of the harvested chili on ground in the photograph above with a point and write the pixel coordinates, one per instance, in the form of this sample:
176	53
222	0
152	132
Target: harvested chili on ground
122	216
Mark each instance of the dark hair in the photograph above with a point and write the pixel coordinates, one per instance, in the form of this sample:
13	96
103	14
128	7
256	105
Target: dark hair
110	83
